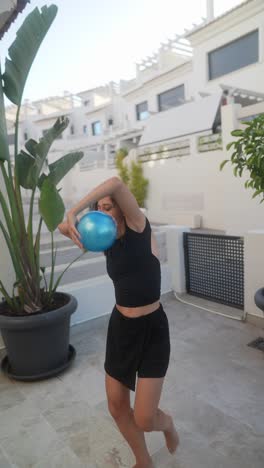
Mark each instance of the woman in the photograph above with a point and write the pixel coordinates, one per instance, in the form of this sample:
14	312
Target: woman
138	340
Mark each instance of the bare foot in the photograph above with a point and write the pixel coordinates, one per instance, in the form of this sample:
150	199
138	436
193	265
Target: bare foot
172	438
148	465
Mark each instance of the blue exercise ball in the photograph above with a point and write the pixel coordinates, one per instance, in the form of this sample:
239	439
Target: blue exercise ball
98	231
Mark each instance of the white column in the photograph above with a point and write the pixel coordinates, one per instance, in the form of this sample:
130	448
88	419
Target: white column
229	122
209	10
254	261
106	153
175	255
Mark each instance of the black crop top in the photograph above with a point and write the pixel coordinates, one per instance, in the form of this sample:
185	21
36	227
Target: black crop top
134	269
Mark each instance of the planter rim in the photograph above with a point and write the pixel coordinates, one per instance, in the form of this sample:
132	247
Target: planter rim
36	320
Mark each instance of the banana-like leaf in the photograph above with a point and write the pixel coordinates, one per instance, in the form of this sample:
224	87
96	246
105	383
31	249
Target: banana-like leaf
24	165
24	49
62	166
51	206
29	166
4	149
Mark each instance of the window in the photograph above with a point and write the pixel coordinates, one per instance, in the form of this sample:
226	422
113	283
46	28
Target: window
85	129
96	128
234	55
72	129
25	136
171	98
142	110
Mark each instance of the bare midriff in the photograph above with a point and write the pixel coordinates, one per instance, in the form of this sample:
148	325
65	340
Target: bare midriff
138	311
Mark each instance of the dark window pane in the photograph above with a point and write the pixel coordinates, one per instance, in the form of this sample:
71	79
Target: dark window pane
171	98
85	129
233	56
96	128
142	110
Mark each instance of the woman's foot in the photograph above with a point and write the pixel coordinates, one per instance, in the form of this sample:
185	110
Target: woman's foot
172	438
147	464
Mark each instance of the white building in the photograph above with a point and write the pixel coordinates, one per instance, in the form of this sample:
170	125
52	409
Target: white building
172	112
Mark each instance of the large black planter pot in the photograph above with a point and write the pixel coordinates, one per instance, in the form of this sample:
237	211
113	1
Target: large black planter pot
259	299
38	344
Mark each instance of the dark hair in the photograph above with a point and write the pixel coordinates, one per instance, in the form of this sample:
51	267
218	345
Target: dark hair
93	206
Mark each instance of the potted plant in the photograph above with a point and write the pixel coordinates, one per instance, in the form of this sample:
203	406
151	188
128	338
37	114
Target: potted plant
133	177
35	317
248	155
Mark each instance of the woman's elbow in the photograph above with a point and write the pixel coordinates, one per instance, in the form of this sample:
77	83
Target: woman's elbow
117	183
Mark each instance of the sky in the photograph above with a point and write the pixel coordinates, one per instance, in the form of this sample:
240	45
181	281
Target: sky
92	42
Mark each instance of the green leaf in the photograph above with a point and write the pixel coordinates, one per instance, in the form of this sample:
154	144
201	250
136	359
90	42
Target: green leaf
62	166
228	146
235	171
223	163
258	192
4	148
29	166
246	122
51	206
237	133
46	141
31	146
24	164
24	50
41	180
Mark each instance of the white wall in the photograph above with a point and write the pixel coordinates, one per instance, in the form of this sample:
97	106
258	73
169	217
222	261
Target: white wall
150	90
220	33
78	183
193	185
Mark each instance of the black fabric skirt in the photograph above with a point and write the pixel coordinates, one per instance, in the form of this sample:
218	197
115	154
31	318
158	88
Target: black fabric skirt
137	346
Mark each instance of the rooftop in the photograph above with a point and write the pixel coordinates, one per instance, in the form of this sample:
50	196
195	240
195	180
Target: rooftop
205	24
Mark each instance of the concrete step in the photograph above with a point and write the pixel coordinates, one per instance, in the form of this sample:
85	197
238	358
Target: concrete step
66	255
89	268
90	265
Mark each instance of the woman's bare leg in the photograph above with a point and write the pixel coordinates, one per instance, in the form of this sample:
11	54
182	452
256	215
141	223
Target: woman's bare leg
118	397
148	416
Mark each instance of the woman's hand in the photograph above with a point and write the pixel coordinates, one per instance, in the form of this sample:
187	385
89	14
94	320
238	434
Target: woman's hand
64	229
73	233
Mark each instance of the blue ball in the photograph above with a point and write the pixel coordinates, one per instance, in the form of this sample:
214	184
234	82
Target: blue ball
98	231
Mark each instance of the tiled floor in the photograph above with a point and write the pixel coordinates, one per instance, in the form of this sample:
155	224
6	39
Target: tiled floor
214	389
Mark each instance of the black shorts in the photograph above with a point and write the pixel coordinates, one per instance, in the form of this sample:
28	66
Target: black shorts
137	346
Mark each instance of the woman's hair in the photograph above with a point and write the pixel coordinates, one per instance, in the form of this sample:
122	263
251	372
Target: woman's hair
94	206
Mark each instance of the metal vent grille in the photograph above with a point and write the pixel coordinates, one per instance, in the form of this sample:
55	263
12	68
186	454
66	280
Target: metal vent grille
214	267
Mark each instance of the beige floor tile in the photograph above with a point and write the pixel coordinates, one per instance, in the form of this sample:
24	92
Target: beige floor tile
88	383
18	418
64	458
10	395
4	462
28	445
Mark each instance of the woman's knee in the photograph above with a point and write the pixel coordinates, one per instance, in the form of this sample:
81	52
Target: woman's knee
118	408
145	422
117	398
